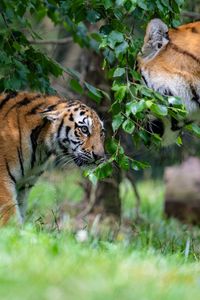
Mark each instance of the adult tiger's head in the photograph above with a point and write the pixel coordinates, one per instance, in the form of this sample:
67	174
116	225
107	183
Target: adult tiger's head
169	63
77	133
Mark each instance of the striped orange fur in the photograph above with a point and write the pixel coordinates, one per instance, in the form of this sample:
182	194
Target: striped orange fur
33	127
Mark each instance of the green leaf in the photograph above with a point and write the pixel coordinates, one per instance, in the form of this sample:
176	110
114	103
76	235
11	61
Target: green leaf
115	107
194	128
145	137
159	96
94	93
105	29
142	5
119	72
138	165
146	92
179	141
104	170
13	83
115	37
72	73
123	162
137	107
107	3
156	138
117	121
93	16
121	48
112	145
17	46
175	101
92	177
75	86
54	68
120	92
135	75
149	103
159	110
128	126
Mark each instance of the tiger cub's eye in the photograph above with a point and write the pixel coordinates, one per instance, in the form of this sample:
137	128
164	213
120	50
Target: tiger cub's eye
84	129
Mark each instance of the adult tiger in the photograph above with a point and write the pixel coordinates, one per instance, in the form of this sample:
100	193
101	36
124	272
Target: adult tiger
170	64
32	128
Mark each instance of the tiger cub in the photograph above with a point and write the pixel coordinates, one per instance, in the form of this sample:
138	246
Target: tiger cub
169	63
32	128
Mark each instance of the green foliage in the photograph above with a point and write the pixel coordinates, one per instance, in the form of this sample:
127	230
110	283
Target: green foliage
115	38
154	259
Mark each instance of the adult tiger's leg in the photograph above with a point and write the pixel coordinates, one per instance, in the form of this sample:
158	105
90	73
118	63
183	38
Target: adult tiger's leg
8	205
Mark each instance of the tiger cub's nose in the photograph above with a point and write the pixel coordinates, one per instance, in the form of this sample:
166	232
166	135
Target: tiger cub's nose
99	155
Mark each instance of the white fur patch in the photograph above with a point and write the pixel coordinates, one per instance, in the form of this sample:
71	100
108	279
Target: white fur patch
162	82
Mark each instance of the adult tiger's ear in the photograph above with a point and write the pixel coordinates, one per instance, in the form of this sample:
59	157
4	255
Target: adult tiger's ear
156	38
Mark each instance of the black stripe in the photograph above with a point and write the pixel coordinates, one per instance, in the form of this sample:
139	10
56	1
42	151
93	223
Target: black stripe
23	102
178	49
76	134
9	173
59	128
20	161
74	149
34	109
67	130
194	30
20	145
71	103
144	79
34	138
75	142
46	109
84	120
62	147
195	96
7	98
71	117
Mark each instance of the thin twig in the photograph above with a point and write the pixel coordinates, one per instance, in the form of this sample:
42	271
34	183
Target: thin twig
137	196
190	14
91	203
55	220
52	42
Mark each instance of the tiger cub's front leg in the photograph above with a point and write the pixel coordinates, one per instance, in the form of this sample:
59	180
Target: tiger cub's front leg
8	202
22	195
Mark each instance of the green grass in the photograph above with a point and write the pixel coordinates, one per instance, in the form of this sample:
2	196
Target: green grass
156	259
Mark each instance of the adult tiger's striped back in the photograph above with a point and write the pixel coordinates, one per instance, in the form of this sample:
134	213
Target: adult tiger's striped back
170	64
32	128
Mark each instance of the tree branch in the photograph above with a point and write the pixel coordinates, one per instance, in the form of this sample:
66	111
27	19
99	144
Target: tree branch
52	42
190	14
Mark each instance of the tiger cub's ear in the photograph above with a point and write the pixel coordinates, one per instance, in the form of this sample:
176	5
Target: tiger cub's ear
51	115
156	38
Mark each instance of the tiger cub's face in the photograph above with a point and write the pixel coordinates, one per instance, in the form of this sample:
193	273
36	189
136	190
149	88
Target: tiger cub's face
79	134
